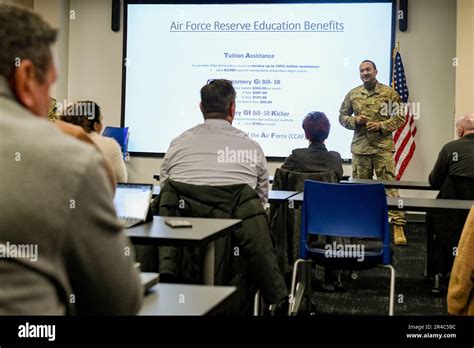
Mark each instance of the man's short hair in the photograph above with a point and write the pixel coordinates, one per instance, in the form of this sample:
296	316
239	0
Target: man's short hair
24	35
369	61
316	127
216	98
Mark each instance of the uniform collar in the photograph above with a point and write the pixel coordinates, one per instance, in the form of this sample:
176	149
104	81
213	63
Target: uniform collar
376	89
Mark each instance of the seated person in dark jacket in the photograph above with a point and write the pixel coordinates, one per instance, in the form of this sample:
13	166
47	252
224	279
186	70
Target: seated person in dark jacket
315	158
453	175
456	157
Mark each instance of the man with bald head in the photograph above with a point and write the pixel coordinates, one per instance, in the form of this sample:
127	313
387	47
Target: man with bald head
456	157
453	176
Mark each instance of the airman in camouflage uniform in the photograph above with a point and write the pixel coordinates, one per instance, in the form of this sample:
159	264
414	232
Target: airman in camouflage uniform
367	110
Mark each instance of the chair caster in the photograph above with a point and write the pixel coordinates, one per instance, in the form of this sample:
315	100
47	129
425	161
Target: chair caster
355	275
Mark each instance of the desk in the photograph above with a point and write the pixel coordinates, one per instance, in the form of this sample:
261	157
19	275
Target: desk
157	178
182	299
275	196
203	232
298	198
427	204
405	185
415	204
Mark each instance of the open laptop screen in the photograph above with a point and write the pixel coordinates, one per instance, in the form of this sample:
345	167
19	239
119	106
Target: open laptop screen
133	200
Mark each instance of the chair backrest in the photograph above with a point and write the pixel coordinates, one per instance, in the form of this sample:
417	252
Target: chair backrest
294	181
239	201
121	135
285	223
345	211
463	187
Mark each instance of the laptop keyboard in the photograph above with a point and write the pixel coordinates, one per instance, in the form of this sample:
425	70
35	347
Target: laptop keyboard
129	222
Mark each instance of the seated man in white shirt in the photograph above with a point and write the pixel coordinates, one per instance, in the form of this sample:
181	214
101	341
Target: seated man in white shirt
215	153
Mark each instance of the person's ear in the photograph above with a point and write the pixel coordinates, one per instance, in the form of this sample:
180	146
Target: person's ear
22	83
231	113
97	127
232	109
200	107
460	132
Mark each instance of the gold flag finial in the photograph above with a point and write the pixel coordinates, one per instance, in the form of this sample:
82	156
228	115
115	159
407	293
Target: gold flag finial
394	53
396	49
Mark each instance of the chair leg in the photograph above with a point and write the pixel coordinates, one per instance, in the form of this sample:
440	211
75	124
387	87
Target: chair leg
298	298
256	304
392	288
436	289
298	290
425	270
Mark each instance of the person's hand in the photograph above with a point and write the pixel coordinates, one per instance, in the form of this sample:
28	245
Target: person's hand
361	119
80	134
373	126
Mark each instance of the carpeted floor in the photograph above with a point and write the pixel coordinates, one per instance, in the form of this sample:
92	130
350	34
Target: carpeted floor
369	294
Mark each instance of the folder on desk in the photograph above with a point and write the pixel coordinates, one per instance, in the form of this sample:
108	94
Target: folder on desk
149	279
121	135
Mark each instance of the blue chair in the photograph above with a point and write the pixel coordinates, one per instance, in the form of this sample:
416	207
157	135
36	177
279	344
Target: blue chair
353	211
121	135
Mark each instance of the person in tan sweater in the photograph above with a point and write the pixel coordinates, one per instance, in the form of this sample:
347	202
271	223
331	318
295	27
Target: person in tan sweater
461	284
87	114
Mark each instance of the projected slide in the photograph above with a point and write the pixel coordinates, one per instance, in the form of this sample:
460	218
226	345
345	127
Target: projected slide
284	60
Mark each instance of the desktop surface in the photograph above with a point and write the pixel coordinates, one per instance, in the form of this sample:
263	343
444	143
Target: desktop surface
203	230
184	299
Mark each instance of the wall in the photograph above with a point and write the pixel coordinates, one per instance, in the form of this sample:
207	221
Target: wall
95	58
465	56
427	49
56	12
27	3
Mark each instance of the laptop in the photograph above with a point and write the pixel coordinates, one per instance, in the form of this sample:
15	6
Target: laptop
132	202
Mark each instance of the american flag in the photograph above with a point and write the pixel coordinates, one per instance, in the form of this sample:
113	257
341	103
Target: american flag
404	137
